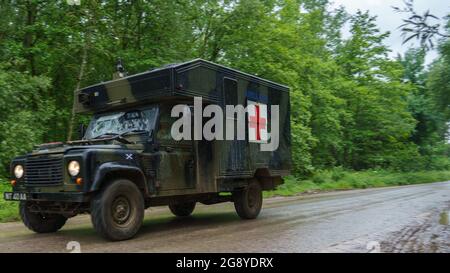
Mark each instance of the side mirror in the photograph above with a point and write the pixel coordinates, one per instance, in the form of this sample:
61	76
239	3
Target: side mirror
154	145
150	137
81	130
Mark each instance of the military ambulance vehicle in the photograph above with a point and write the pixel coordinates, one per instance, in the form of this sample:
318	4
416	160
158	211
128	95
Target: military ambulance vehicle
127	159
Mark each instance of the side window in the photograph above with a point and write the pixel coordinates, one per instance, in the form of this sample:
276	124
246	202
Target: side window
230	91
151	116
165	126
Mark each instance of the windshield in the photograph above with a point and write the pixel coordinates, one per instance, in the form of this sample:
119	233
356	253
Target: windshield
118	123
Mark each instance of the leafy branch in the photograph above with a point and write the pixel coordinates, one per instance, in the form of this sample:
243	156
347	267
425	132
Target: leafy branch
419	26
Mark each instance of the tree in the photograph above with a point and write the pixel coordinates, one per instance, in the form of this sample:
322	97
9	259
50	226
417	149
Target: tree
22	107
351	105
379	123
420	100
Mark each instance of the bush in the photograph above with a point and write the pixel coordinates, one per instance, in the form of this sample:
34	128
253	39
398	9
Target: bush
8	209
337	173
439	163
320	177
407	159
339	179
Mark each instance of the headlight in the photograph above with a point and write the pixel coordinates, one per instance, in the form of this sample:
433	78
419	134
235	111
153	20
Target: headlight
73	168
18	171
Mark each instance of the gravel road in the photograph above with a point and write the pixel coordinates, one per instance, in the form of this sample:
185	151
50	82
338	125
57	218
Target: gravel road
396	219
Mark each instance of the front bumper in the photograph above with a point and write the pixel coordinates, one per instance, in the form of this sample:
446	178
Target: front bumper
75	197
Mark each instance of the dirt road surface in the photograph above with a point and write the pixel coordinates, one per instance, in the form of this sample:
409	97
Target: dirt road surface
397	219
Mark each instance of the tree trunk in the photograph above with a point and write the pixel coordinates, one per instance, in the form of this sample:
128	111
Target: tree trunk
77	87
84	56
28	43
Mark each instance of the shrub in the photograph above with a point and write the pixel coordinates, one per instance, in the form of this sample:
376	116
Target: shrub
337	173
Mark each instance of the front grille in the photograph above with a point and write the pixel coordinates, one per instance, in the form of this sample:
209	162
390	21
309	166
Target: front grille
44	170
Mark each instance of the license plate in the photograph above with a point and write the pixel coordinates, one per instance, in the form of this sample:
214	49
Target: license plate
15	196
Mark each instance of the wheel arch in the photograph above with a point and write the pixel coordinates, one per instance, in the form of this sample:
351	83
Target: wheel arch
111	170
267	180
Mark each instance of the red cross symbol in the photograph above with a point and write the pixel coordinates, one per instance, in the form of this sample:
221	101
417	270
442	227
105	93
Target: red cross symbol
257	122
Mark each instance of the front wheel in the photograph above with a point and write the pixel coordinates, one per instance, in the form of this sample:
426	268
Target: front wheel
182	209
117	212
40	222
248	201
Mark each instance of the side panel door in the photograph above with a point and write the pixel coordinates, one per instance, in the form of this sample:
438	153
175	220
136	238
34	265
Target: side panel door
234	156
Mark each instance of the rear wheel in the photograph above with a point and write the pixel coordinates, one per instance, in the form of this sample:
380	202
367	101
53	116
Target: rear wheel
40	222
117	212
248	201
182	209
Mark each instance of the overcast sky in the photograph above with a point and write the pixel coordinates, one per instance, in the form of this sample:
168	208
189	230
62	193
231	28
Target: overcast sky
388	20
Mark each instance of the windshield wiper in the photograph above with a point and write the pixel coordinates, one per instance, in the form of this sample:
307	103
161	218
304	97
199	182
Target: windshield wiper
105	134
133	132
114	136
120	137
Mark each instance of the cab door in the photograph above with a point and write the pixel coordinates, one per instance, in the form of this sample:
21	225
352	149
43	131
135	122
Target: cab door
176	158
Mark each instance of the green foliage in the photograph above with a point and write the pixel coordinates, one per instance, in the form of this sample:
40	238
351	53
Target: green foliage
431	126
9	210
23	105
356	180
351	105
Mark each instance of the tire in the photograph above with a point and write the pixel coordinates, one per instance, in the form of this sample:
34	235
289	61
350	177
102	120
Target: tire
182	209
40	223
117	211
248	201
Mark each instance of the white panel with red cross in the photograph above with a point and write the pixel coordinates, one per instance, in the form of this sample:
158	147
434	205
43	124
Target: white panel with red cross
257	121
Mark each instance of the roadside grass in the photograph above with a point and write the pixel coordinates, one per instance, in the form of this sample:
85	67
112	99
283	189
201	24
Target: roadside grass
327	180
8	209
338	179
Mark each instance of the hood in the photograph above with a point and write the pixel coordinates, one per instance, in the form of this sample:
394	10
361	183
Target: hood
61	148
